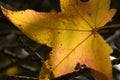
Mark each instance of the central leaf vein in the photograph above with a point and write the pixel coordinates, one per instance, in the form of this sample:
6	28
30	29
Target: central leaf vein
73	50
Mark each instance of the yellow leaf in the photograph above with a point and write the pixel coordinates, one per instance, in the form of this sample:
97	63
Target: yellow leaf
45	72
11	71
72	34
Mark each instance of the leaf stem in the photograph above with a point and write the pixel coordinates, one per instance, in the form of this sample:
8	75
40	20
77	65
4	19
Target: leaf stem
112	26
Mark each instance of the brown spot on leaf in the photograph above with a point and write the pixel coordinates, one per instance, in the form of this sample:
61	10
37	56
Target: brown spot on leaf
21	12
58	32
89	14
19	25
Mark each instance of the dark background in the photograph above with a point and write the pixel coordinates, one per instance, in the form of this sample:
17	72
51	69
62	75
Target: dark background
17	52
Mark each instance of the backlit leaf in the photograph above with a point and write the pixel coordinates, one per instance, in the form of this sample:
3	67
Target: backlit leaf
72	34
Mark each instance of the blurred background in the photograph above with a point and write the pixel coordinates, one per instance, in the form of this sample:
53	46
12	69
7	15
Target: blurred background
18	53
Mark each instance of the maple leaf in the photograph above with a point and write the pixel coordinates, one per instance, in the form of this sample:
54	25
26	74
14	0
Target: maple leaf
72	34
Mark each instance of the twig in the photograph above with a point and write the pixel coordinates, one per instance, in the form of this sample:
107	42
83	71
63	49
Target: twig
29	68
117	45
32	53
21	78
11	55
116	53
112	26
16	57
116	61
